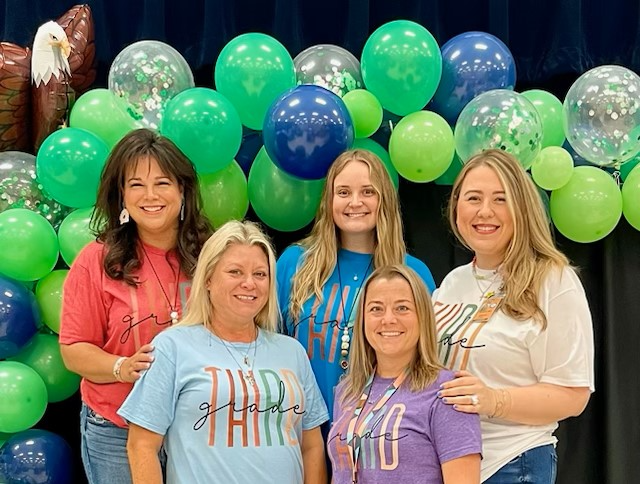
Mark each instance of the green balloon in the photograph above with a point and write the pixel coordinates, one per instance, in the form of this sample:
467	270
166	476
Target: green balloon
69	164
631	198
365	111
28	245
401	65
282	202
49	298
252	70
370	145
224	194
4	437
549	108
628	166
104	114
205	126
23	397
552	168
588	207
42	354
421	146
74	233
449	176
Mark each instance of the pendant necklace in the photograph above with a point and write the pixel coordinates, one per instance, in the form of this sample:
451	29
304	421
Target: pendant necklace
173	308
248	375
492	279
345	339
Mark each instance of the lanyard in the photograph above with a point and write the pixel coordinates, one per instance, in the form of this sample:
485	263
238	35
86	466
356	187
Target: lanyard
354	431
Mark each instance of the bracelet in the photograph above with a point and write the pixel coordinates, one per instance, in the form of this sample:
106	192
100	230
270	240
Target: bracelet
117	366
501	407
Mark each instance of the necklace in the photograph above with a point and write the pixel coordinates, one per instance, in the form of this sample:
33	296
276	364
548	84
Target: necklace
487	292
173	309
248	375
345	339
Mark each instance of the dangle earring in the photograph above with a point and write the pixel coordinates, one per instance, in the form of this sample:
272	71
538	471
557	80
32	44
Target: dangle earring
182	210
124	216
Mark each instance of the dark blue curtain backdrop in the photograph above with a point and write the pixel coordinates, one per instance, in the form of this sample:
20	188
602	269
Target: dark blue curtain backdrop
553	41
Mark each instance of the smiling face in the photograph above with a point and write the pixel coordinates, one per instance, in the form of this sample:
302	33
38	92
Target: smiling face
355	201
483	217
391	324
239	285
153	199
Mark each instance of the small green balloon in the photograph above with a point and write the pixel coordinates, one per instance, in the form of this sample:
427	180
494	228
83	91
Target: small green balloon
628	166
282	202
225	194
370	145
588	207
549	108
49	298
28	245
74	233
552	168
4	437
631	198
42	354
449	176
421	146
365	111
23	397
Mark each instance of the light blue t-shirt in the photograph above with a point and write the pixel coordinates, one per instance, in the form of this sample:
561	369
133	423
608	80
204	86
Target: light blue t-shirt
217	426
320	327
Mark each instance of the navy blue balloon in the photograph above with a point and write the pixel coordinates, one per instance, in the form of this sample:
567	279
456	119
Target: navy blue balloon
251	144
305	129
19	316
472	63
36	457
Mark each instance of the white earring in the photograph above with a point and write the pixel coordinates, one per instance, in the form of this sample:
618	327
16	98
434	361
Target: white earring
182	211
124	216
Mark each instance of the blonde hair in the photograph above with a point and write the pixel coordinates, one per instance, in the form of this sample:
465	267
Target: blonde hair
425	366
531	253
321	246
199	309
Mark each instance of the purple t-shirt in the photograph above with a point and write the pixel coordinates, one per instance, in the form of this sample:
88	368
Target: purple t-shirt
407	440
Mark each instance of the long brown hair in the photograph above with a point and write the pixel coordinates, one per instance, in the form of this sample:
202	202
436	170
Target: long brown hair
121	241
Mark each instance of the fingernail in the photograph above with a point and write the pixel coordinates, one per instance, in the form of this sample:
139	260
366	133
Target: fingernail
455	407
441	386
151	359
446	401
439	394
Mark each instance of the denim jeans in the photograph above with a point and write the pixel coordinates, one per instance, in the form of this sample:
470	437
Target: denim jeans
537	465
103	447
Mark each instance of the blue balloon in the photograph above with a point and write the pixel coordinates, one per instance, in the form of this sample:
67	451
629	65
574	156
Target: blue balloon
19	316
251	144
305	129
36	457
472	63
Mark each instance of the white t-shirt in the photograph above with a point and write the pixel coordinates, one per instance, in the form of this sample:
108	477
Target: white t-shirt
504	352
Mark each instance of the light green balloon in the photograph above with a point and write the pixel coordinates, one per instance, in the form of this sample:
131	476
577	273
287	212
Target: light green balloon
225	194
370	145
549	108
282	202
588	207
252	70
49	297
42	354
365	111
449	176
104	114
28	245
421	146
552	168
74	233
23	397
631	198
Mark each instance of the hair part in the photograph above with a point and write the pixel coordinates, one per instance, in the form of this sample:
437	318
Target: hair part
531	253
199	306
122	258
321	246
425	366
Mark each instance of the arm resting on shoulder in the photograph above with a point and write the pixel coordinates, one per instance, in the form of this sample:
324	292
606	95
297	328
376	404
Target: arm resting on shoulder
463	470
313	461
142	448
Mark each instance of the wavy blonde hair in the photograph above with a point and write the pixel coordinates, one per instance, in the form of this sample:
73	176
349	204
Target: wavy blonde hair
424	368
321	246
199	308
531	253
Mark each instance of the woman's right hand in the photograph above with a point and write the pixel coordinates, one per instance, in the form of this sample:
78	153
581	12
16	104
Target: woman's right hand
132	367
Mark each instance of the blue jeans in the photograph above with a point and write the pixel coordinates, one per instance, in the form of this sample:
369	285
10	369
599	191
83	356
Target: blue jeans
104	449
537	465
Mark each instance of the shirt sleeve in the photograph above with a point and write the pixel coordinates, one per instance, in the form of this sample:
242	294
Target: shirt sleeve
422	270
285	270
152	402
455	434
563	354
315	407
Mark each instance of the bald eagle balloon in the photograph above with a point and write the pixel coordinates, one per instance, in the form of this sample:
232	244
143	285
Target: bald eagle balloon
37	88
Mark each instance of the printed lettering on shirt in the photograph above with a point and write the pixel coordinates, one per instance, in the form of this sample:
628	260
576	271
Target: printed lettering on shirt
458	333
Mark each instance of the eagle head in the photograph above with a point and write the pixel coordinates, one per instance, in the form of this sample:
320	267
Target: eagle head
50	55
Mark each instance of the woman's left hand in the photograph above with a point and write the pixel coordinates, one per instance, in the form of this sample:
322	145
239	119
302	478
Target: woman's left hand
468	394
